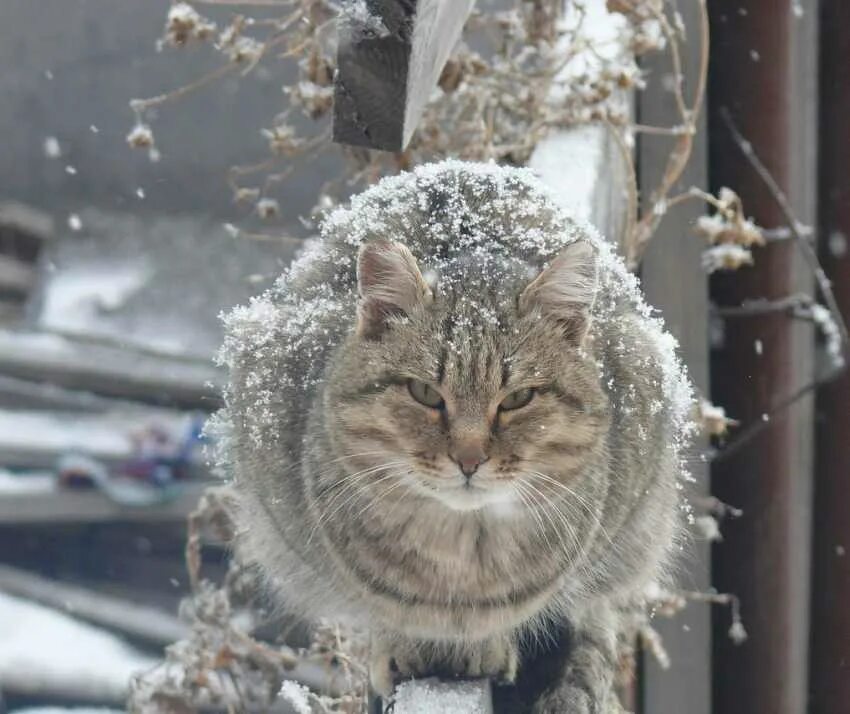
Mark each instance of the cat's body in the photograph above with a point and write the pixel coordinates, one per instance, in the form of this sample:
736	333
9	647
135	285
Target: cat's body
450	447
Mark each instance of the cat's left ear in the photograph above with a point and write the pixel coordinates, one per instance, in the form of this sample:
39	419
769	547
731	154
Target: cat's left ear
390	283
566	289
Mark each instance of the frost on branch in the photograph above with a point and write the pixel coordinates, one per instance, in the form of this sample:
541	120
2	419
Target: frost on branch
726	257
184	24
223	664
729	225
713	419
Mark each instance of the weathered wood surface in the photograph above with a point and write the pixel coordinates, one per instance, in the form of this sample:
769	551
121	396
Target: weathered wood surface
16	277
763	72
140	622
67	506
109	370
389	57
674	283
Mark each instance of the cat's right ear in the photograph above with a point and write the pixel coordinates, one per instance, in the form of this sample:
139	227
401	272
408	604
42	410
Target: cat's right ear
566	290
389	283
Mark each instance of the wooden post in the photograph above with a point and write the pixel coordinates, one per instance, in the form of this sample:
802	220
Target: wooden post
763	73
389	57
675	283
830	643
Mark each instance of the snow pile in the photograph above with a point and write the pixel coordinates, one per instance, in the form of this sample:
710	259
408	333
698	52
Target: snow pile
43	651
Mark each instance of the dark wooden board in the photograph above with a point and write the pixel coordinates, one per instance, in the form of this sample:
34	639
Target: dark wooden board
388	66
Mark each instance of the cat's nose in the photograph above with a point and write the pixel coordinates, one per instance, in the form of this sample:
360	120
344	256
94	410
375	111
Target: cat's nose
469	458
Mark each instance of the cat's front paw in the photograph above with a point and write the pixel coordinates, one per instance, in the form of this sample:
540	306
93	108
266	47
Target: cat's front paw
497	658
395	661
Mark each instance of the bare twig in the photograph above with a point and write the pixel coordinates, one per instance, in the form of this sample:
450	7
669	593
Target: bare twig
805	247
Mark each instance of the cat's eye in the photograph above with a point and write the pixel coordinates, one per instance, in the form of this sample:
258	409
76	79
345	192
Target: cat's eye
517	399
425	394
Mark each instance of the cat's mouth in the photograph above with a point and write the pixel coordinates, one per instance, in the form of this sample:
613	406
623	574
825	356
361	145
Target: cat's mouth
467	494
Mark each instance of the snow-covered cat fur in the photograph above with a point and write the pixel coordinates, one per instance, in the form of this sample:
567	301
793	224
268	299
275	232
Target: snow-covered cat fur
454	422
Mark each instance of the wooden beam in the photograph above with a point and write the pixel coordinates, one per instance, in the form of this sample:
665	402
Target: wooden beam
389	57
763	73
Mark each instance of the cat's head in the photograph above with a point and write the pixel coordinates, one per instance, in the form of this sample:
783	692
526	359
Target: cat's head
467	388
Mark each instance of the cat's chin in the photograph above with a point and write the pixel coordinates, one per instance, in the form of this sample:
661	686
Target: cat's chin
462	499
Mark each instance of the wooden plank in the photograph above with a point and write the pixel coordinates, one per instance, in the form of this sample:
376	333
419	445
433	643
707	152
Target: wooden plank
389	57
66	506
763	72
829	659
109	370
138	621
16	277
25	220
674	283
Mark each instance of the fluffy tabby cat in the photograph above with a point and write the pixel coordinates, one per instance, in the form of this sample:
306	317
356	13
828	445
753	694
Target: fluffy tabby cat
453	422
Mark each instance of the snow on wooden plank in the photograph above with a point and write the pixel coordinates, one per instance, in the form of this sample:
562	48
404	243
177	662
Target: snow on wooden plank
36	439
65	506
146	624
109	369
389	57
47	653
432	696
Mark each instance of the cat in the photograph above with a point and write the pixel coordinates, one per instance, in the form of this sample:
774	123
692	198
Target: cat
453	421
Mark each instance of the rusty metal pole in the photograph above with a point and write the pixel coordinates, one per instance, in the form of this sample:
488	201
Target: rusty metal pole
830	643
762	71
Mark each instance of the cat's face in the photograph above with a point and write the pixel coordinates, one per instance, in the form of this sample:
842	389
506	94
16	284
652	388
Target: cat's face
429	397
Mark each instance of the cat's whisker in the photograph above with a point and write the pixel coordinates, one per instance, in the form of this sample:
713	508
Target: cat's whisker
581	501
347	478
546	501
385	493
529	504
327	470
577	558
354	482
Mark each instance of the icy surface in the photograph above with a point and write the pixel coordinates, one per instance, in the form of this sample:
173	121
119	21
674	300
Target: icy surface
44	651
431	696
